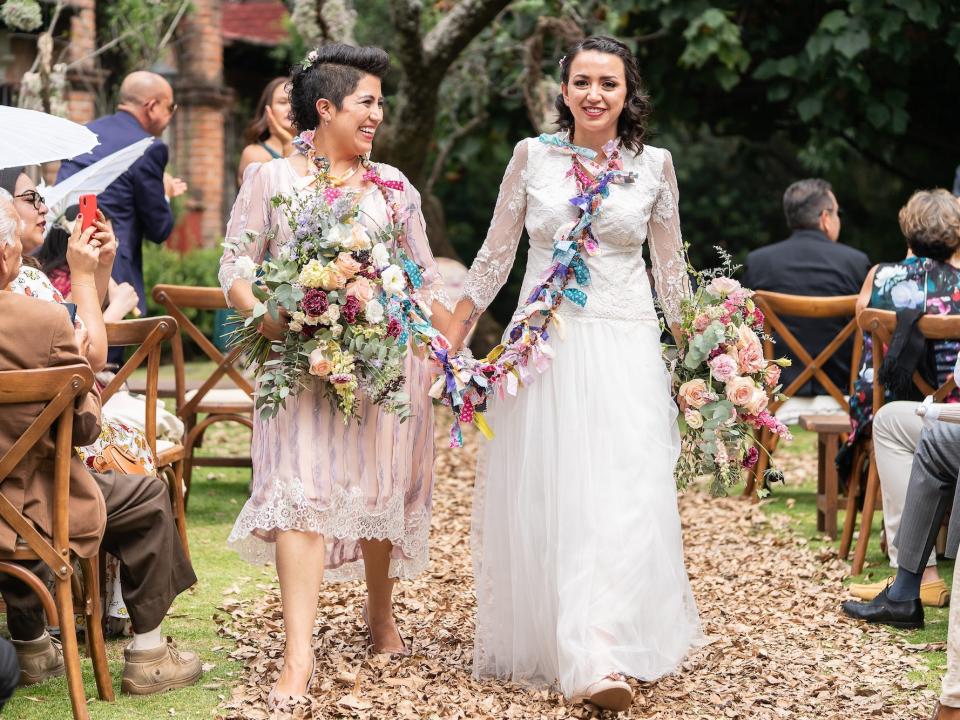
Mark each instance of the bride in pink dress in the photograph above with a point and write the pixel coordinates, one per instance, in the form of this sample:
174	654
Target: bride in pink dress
334	500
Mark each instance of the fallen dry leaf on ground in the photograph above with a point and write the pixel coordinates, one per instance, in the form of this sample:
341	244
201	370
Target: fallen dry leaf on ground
780	645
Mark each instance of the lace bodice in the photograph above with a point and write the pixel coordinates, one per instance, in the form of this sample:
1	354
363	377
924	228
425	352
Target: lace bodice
258	228
535	193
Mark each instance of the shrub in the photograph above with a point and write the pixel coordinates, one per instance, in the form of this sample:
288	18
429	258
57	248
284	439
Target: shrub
196	268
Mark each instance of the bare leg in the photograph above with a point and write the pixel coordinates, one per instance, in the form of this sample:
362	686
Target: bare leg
299	589
930	574
376	565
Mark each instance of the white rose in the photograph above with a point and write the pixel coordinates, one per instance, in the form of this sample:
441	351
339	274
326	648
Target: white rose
373	312
245	267
336	330
331	315
380	256
393	280
337	236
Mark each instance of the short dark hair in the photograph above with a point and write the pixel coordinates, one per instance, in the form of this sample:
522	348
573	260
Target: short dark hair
804	201
632	123
331	72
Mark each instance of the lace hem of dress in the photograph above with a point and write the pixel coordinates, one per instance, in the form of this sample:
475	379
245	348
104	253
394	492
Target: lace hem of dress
347	517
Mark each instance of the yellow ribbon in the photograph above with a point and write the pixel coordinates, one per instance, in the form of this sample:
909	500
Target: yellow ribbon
482	425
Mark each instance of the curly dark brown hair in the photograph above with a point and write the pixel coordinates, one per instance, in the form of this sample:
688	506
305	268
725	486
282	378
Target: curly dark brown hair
632	123
333	73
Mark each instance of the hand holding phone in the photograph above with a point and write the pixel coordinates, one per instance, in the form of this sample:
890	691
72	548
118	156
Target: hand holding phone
88	211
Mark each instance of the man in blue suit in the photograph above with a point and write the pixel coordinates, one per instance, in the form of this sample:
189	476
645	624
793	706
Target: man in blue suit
138	202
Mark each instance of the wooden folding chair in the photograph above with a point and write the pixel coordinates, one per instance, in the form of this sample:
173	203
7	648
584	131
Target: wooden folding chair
881	325
233	404
148	335
56	389
774	307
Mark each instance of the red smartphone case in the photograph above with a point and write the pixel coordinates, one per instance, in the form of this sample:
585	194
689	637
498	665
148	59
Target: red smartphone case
88	211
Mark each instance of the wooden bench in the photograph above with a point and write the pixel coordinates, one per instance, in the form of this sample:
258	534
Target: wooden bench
830	430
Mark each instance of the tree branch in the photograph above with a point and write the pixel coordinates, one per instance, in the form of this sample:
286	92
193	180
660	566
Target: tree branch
454	32
443	152
406	21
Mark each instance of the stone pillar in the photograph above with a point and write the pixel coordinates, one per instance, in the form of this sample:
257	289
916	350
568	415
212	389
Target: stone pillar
84	80
199	131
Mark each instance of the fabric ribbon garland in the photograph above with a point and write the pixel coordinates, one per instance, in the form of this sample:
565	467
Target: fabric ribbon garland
465	382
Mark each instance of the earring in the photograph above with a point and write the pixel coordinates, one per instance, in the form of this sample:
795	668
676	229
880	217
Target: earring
326	122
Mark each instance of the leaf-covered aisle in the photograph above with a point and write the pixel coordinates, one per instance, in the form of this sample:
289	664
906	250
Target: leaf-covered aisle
780	646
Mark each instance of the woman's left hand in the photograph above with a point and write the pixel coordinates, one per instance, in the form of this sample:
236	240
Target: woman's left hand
106	239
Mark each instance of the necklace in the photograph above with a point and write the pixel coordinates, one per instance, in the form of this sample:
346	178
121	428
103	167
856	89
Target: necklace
337	180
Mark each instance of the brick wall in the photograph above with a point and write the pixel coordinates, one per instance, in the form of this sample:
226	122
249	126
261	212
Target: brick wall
200	124
83	40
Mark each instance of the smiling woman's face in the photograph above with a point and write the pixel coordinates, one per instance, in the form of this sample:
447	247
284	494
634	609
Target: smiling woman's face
32	211
596	91
353	126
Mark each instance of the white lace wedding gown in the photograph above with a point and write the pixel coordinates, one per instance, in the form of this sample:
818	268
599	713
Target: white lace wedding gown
577	550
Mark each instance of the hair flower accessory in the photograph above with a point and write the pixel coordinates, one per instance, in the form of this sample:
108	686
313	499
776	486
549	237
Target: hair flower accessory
309	60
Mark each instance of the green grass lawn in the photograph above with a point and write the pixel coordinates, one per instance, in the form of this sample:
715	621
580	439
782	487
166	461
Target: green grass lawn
216	497
798	501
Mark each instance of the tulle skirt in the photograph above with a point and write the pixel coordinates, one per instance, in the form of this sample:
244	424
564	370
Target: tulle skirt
577	549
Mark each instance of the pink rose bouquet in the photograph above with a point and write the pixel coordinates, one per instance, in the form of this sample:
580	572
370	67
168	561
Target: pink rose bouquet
722	381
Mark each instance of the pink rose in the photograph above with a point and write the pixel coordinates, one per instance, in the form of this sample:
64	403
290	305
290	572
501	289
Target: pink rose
740	390
757	402
749	350
319	365
701	322
695	394
347	266
771	375
361	289
721	286
723	367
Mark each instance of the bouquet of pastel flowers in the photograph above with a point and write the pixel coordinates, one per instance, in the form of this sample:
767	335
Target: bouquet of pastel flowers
722	381
346	292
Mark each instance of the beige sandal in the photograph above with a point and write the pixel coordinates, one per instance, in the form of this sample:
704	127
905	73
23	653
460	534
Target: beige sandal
610	693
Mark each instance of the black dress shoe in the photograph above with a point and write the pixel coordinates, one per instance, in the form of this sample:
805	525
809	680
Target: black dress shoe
907	615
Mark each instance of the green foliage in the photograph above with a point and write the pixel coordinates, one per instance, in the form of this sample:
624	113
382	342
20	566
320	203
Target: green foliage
140	26
197	268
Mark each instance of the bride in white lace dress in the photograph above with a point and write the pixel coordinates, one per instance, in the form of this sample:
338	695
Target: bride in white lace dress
577	549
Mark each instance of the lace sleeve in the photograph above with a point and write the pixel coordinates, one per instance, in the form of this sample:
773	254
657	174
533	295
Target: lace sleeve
248	233
418	245
667	258
492	265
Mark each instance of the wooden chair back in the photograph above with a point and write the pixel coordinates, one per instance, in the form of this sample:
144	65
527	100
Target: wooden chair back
176	299
148	335
775	306
881	324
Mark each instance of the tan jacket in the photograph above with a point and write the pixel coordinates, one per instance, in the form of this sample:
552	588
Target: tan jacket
37	334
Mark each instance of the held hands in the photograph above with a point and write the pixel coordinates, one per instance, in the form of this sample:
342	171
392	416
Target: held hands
173	186
83	256
274	329
124	297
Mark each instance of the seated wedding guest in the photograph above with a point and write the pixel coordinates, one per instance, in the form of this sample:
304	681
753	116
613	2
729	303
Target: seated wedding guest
810	262
121	298
88	292
930	494
270	135
127	516
926	282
